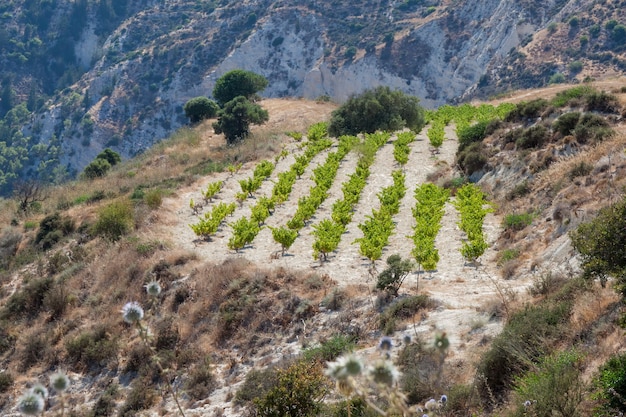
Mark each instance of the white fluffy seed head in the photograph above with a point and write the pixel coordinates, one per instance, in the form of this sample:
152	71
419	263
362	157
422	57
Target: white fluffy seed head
30	404
153	288
132	312
59	381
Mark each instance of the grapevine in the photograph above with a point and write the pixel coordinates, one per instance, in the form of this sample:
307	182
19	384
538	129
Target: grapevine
470	202
428	213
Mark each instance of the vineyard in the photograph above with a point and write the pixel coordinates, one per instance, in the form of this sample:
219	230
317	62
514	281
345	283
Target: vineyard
341	206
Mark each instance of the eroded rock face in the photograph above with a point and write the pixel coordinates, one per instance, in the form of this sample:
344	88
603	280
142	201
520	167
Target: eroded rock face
166	54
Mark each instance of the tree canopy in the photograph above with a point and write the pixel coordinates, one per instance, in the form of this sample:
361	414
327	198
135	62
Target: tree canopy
200	108
235	118
377	109
237	83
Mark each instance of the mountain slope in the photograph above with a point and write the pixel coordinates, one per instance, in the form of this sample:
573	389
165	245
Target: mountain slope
116	73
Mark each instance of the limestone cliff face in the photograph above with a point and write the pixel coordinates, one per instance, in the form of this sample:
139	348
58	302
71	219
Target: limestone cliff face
148	67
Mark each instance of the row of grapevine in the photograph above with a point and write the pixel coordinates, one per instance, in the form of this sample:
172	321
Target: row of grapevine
249	185
379	225
323	176
401	148
428	212
209	224
470	203
245	230
328	232
208	195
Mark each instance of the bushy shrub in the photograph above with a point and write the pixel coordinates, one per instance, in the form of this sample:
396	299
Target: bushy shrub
153	198
473	158
527	110
592	128
96	169
201	380
582	169
256	385
52	229
329	349
527	336
472	133
200	108
599	101
6	381
114	220
611	385
91	348
140	397
9	242
299	392
517	221
392	277
403	308
555	388
421	371
377	109
29	301
533	137
566	123
600	243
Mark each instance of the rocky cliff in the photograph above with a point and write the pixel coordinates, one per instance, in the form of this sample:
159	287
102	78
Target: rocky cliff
136	76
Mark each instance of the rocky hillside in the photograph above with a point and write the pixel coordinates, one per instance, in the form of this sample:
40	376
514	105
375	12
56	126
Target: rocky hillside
114	73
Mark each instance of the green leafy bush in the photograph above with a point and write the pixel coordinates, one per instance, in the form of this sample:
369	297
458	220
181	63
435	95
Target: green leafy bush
403	308
600	243
566	123
527	336
52	229
472	133
91	348
6	381
472	158
298	392
517	221
392	277
527	110
114	220
29	301
377	109
555	387
329	349
611	385
533	137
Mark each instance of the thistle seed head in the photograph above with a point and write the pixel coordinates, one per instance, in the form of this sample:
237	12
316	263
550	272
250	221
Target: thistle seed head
132	312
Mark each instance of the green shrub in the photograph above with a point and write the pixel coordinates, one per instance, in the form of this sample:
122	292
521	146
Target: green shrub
611	385
105	405
533	137
592	128
377	109
527	336
29	301
527	110
566	97
91	349
599	101
473	158
6	381
557	78
52	229
575	67
517	221
153	198
566	123
555	387
421	371
472	133
35	348
329	349
581	169
508	255
520	190
200	108
9	242
403	308
392	277
600	243
114	220
201	381
299	392
140	397
256	385
7	341
96	169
